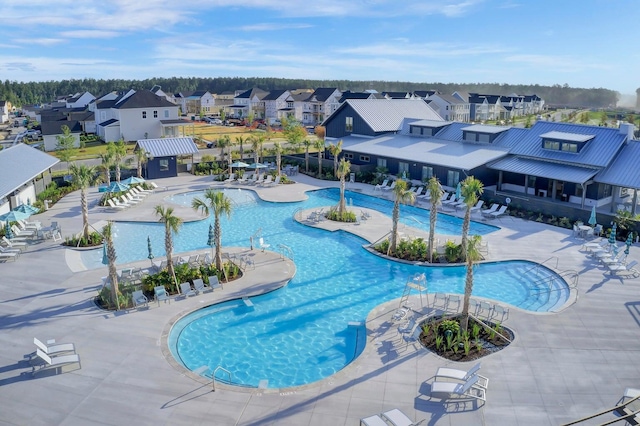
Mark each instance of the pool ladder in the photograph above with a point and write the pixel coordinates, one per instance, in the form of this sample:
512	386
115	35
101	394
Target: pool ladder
213	376
285	251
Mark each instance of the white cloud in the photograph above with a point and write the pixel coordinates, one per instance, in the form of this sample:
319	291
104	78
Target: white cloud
433	50
557	63
273	27
89	34
40	41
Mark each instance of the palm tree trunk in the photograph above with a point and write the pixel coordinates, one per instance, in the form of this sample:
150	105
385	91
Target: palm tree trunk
319	164
394	229
140	169
113	273
168	246
465	232
118	172
433	217
341	206
85	213
468	288
306	160
217	232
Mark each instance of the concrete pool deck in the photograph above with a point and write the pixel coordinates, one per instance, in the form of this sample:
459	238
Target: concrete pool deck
560	367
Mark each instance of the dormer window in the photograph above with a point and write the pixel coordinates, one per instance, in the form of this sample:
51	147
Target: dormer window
565	142
482	133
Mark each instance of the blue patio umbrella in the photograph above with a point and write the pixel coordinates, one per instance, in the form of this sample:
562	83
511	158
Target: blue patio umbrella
628	242
7	230
612	235
592	219
117	187
150	257
256	166
14	216
27	208
105	258
458	191
211	241
239	164
132	180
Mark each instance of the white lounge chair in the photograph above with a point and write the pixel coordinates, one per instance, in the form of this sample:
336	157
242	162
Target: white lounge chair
461	375
267	181
500	212
243	179
57	361
231	178
4	249
214	282
112	204
276	182
128	198
52	348
478	206
446	390
380	186
628	269
186	291
139	299
22	245
200	286
390	187
21	233
397	418
12	256
490	210
374	420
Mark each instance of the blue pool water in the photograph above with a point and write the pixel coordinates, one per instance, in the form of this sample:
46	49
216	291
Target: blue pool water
299	334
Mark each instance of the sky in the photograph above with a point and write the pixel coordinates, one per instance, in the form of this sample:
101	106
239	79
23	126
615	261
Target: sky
582	43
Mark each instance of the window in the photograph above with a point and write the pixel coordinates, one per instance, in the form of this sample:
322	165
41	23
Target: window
403	169
348	124
382	162
164	165
155	114
427	172
552	145
531	181
482	137
348	156
166	113
415	130
365	158
144	114
469	137
453	178
569	147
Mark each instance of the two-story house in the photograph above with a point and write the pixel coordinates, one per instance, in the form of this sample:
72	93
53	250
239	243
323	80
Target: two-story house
247	102
79	100
320	104
277	104
449	107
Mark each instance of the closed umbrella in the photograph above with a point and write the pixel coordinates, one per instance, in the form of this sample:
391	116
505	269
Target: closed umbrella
105	259
628	242
612	235
7	230
458	191
211	241
592	219
150	257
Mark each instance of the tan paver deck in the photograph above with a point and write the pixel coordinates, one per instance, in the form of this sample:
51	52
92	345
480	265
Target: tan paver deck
560	366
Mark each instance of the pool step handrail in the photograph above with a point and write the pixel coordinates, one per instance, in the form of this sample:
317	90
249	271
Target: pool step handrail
285	251
213	376
373	244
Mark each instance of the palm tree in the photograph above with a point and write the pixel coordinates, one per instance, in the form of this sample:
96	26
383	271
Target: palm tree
435	189
141	158
343	170
111	256
224	142
83	177
171	224
220	204
471	190
118	151
335	150
240	141
307	144
256	146
319	145
402	196
106	164
473	255
277	150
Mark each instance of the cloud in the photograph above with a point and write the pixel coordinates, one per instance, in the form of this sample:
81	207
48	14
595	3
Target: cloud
40	41
89	34
273	27
18	66
400	47
557	63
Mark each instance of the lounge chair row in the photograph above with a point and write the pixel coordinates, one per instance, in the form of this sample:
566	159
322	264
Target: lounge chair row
130	198
263	179
612	257
161	295
496	210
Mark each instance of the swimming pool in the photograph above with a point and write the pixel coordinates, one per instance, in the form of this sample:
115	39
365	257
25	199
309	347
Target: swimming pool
300	334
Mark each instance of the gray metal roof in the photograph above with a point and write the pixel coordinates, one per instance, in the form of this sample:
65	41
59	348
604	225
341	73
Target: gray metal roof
20	164
387	115
430	123
598	152
484	128
570	137
425	150
168	147
545	169
624	170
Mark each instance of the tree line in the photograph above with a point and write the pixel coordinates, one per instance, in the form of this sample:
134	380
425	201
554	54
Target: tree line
33	93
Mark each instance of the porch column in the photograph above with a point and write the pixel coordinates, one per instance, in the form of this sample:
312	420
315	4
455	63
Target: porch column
500	180
553	189
526	184
635	200
584	194
613	198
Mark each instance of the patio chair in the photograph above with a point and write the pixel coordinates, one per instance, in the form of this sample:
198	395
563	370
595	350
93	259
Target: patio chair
477	207
447	390
139	299
374	420
453	299
243	179
390	187
53	348
262	244
626	270
200	286
379	186
231	178
56	361
413	337
426	196
12	256
440	301
115	206
462	375
186	291
159	266
4	249
499	312
161	294
20	233
485	310
397	418
214	282
500	212
266	181
22	245
407	327
490	210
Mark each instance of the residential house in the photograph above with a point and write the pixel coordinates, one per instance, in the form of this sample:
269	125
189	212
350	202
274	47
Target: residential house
248	102
79	100
136	115
26	172
450	107
398	95
156	89
277	104
4	111
485	107
424	94
51	130
356	95
162	155
320	104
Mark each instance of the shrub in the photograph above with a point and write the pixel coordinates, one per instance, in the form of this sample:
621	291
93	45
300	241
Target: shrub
347	216
95	239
